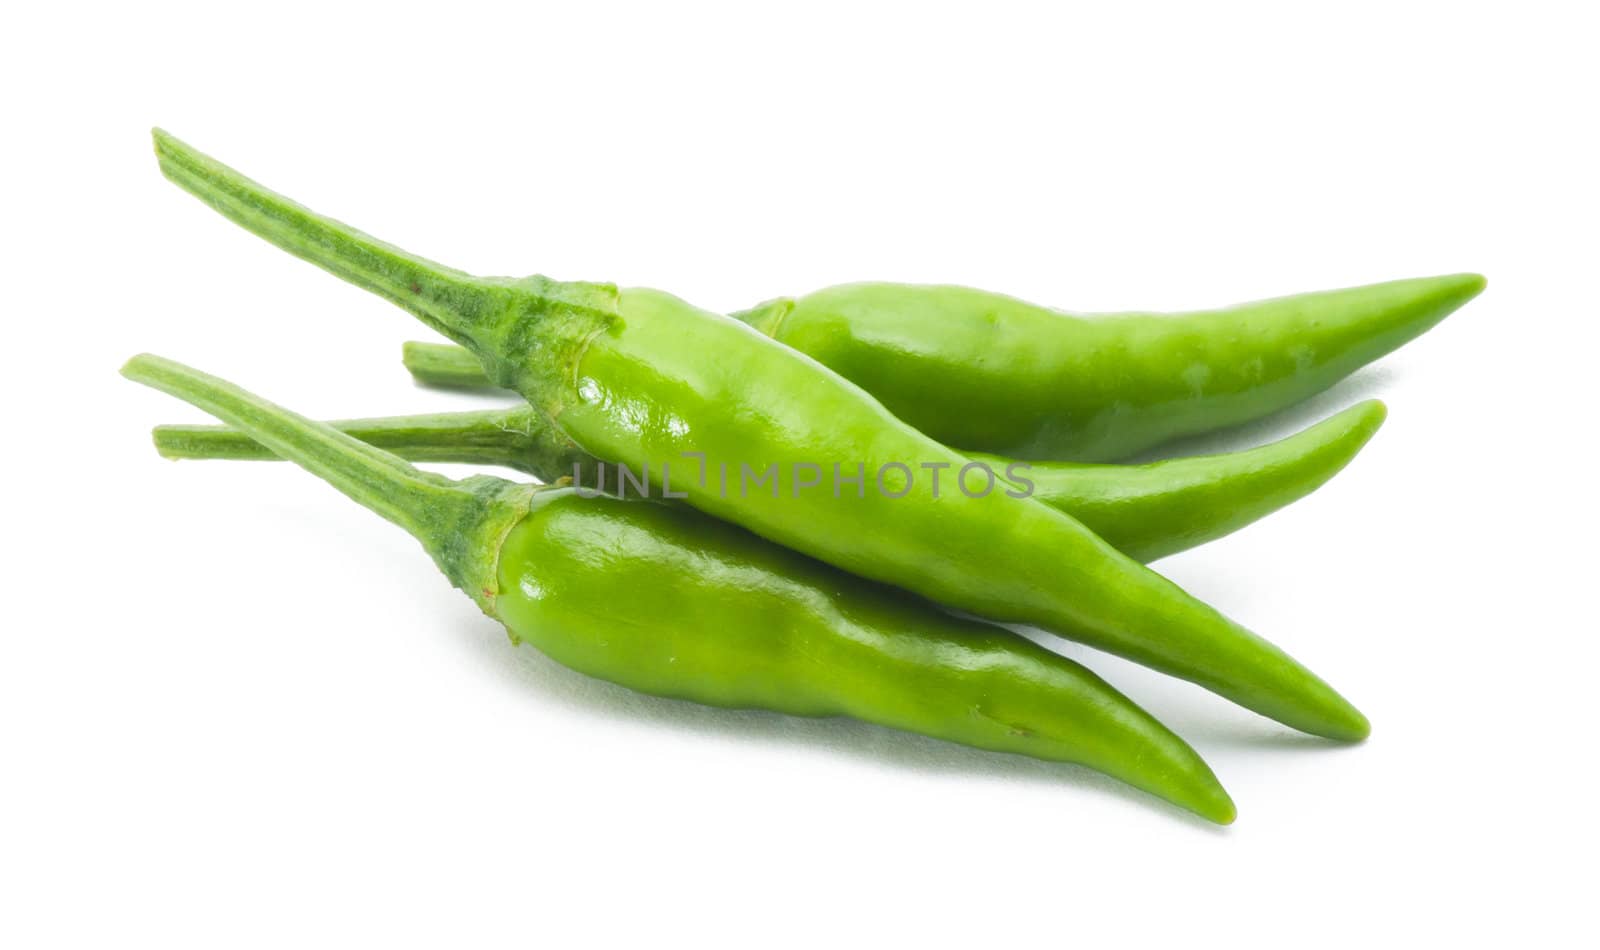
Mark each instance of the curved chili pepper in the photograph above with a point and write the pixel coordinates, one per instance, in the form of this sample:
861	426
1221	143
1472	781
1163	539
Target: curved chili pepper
642	377
668	601
1145	511
984	372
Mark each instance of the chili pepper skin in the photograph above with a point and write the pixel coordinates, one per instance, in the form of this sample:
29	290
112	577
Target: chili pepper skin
668	601
988	373
641	377
1145	511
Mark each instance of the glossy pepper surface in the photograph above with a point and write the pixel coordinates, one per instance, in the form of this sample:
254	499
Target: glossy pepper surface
989	373
1146	511
641	377
668	601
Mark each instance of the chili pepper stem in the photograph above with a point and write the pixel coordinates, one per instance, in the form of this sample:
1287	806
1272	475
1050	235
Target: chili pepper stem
460	524
532	315
438	295
485	437
443	365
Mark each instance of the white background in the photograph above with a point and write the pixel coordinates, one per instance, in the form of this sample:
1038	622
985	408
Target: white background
237	710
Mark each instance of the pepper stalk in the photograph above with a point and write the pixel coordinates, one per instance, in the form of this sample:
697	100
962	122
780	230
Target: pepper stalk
461	524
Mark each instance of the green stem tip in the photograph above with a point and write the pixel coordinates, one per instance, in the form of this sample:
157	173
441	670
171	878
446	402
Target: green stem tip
443	365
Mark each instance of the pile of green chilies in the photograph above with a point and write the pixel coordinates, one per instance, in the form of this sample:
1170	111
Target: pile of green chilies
781	508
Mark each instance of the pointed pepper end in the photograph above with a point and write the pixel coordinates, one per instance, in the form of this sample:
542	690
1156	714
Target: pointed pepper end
1461	288
1477	282
1215	805
1371	415
1348	725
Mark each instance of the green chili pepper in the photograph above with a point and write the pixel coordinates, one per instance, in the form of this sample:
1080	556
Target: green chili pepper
665	600
1145	511
641	377
989	373
984	372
